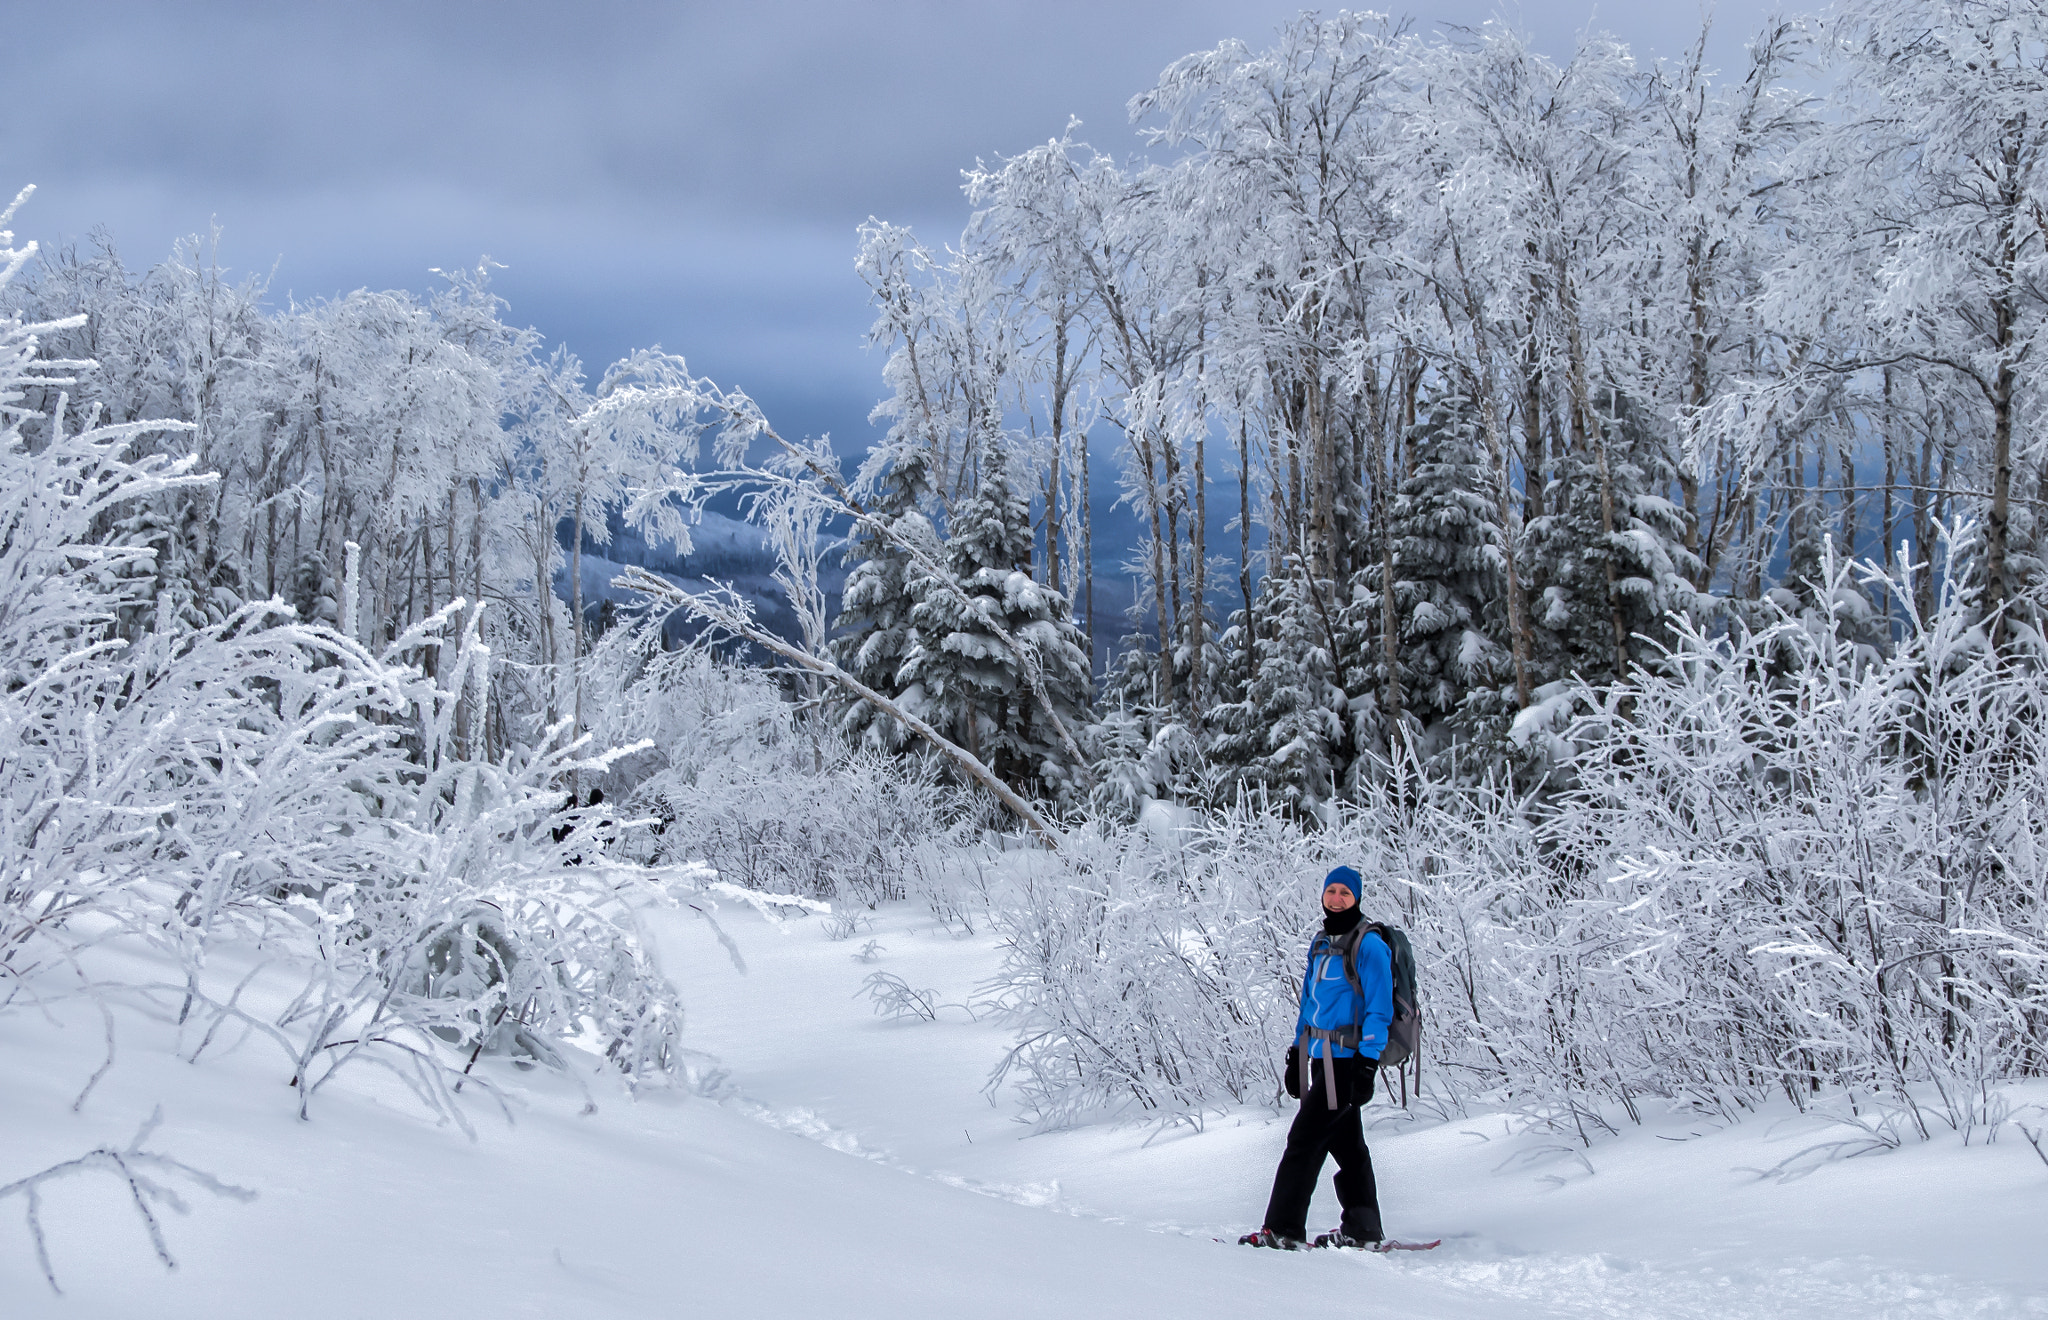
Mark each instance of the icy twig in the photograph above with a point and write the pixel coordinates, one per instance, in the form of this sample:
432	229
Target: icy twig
766	903
1535	1155
2034	1138
893	997
725	941
107	1016
132	1165
1805	1161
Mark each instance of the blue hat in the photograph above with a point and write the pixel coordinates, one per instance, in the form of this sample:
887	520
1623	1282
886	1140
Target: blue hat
1346	877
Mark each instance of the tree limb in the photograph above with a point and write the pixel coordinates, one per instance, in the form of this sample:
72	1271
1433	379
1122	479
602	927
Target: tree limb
1027	659
734	619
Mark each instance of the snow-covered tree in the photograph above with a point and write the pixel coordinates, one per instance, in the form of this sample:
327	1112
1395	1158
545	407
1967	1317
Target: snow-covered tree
1289	730
1448	585
238	773
1612	560
619	450
877	634
963	676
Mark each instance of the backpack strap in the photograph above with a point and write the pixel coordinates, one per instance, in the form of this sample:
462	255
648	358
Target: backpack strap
1348	945
1350	950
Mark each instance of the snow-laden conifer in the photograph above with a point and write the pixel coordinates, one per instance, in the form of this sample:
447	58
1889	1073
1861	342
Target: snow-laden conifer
1289	730
962	676
876	632
1610	561
1448	553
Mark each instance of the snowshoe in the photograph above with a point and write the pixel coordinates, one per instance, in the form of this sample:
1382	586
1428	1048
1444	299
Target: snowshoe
1266	1237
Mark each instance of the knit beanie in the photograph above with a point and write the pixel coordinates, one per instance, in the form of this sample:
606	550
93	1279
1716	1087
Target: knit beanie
1346	877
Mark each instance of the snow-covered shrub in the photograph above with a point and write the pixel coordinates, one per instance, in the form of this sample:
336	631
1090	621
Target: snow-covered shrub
260	779
763	791
1778	863
1149	972
1819	868
1155	970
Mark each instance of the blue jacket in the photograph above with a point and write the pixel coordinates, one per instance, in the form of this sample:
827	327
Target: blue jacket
1329	1002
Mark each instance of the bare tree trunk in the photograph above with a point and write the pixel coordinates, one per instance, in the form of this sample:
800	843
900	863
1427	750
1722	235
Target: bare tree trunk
1175	502
476	539
1497	445
1088	550
1197	615
1390	611
1587	428
466	714
1052	475
269	525
1295	523
540	540
2005	316
1607	529
454	565
433	655
1244	538
1320	560
1535	462
576	634
1142	447
1696	382
1845	469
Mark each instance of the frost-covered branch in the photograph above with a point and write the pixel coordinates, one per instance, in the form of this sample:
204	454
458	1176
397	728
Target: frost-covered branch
145	1173
731	614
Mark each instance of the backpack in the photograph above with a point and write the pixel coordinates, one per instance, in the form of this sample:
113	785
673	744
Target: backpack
1404	1033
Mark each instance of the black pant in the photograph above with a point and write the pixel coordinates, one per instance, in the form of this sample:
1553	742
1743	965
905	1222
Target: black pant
1318	1131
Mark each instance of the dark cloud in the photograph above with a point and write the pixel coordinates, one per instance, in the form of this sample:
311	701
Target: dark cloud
689	173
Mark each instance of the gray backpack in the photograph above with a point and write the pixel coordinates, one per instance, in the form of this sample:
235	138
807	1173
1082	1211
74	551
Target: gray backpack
1404	1033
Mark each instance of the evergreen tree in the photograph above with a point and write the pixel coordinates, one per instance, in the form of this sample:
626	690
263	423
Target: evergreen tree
1288	730
1131	684
314	592
1447	590
1448	577
1610	565
1225	741
200	587
960	673
1141	750
877	634
1122	776
1819	588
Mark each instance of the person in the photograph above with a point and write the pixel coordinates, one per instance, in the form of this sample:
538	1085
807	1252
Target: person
1338	1037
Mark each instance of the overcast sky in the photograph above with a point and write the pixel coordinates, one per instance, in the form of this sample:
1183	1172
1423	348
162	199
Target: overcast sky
689	174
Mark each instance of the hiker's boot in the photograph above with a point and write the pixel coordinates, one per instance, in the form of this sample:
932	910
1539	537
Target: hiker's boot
1339	1238
1266	1237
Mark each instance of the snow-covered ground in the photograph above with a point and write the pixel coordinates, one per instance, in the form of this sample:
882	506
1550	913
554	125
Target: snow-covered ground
853	1166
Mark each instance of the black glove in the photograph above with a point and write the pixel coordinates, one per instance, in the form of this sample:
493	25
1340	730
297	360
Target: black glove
1361	1081
1290	1072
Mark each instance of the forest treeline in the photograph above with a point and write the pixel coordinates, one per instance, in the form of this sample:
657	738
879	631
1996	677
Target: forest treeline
1513	365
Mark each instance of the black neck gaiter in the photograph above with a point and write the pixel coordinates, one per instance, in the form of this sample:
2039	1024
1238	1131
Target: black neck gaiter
1341	923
